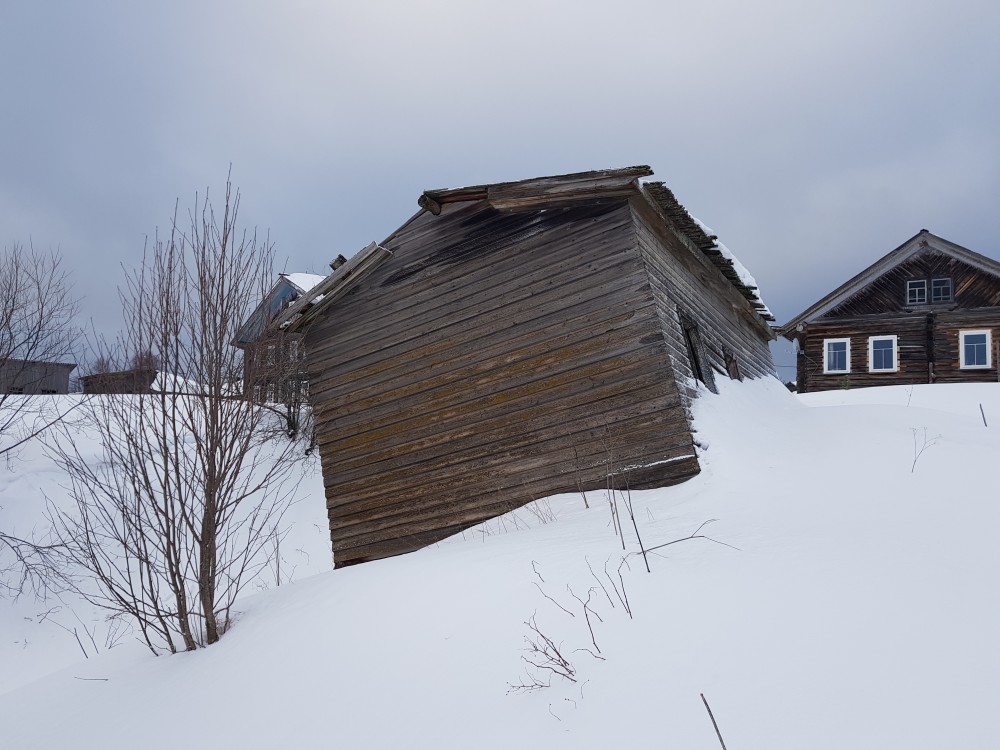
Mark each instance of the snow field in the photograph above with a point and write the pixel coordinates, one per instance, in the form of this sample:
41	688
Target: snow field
858	609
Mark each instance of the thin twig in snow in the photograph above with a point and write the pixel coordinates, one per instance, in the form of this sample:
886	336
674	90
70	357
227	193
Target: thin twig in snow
553	600
534	567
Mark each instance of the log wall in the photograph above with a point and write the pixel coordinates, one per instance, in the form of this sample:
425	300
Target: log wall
947	362
495	359
912	333
928	349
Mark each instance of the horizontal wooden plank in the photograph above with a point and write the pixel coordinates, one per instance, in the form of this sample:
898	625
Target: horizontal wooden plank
679	471
445	506
477	387
528	292
553	246
569	450
503	430
436	349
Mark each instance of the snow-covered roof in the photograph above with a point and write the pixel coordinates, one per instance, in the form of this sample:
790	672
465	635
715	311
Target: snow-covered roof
744	275
708	243
304	281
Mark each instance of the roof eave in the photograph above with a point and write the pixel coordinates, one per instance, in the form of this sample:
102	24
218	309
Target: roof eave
691	232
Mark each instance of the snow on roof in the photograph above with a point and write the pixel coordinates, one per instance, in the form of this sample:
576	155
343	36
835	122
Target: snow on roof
745	277
304	281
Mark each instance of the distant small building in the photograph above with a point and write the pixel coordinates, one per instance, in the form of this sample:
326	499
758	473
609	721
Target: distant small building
928	312
273	368
34	377
135	380
517	340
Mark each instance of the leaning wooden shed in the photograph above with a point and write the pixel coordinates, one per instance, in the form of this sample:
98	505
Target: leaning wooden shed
517	340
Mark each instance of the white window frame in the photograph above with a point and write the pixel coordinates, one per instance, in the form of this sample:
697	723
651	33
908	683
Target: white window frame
951	289
895	353
916	284
989	349
826	356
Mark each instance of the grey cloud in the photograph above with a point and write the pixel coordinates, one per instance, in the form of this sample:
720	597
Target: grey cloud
812	137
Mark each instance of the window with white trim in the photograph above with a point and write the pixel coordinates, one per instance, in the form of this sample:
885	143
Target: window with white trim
916	292
836	356
940	290
883	354
974	349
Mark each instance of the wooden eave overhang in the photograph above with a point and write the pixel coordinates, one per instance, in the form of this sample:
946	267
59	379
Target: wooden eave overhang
922	240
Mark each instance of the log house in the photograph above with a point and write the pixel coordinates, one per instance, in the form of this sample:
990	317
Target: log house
928	312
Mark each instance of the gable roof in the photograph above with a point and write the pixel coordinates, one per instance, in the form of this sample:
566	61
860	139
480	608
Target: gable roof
303	282
288	287
546	192
921	241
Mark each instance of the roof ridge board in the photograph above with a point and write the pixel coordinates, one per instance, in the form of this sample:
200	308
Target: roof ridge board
480	192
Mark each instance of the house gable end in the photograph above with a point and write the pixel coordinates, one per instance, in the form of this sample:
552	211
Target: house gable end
881	288
963	286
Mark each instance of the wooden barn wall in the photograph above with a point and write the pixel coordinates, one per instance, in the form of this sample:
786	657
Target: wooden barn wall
911	330
496	358
887	294
688	285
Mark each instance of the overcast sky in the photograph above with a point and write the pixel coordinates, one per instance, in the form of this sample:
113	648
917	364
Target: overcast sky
812	137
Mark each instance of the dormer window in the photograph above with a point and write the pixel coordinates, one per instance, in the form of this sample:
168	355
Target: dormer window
941	290
916	292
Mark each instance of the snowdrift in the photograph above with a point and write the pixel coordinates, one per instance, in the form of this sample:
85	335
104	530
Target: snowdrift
838	594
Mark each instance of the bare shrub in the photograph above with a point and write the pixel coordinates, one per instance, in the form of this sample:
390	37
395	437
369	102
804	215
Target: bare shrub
180	512
544	658
37	314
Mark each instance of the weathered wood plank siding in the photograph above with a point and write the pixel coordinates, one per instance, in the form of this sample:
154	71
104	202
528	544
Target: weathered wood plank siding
496	358
686	285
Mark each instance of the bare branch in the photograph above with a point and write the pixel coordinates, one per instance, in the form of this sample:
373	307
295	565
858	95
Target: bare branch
553	600
37	340
695	535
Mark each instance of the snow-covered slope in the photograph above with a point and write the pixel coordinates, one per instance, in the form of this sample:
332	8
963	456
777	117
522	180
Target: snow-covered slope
846	599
